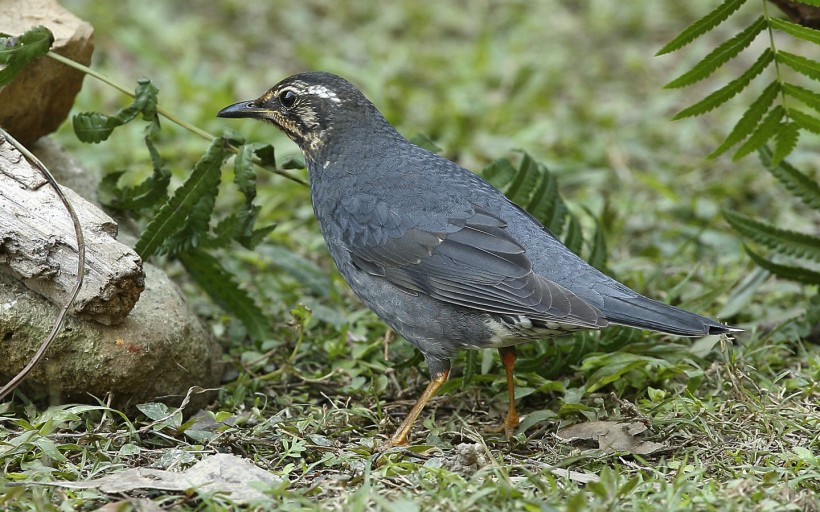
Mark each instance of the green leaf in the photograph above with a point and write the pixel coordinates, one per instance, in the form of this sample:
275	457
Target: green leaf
749	119
423	141
499	173
808	67
702	26
598	253
799	31
728	91
805	121
808	97
173	215
782	241
95	127
798	274
16	52
544	197
720	55
784	141
807	189
764	131
221	286
244	173
525	180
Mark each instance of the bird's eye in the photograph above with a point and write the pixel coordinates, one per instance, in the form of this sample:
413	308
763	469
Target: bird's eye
288	98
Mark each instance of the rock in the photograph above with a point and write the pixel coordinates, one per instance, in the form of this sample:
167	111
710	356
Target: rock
160	349
38	100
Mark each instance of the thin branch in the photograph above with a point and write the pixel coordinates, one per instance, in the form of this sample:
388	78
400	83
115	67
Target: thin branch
163	112
78	232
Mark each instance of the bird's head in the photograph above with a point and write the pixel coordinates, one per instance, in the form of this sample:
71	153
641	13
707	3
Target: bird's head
309	107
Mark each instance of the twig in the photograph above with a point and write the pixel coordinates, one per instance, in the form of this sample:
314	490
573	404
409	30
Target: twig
78	232
167	115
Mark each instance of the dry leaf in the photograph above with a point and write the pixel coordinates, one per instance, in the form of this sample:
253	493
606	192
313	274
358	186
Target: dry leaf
612	436
234	476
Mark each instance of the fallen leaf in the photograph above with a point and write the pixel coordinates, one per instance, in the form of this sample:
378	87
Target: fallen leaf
611	436
233	476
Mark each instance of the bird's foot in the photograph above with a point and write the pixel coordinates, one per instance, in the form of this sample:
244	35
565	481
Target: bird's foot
507	427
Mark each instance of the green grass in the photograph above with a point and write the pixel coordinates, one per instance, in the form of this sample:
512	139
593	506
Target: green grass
577	87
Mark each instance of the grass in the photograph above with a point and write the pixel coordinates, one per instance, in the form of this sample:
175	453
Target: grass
577	87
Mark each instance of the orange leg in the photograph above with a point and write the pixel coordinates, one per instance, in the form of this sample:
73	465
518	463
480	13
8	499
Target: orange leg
511	421
400	437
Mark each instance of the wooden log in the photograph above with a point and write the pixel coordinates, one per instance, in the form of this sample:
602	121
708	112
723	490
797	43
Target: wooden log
38	245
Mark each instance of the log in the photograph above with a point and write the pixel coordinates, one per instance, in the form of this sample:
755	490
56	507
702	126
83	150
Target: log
39	249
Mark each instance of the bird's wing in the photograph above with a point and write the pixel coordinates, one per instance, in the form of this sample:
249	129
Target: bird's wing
473	262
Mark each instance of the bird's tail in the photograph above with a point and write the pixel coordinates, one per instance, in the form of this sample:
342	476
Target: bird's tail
644	313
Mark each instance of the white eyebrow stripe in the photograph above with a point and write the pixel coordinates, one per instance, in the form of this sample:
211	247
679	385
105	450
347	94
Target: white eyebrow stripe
323	92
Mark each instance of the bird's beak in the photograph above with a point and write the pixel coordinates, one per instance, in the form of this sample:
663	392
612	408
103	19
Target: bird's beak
243	109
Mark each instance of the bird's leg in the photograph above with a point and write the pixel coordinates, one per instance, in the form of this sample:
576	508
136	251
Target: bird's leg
511	421
439	372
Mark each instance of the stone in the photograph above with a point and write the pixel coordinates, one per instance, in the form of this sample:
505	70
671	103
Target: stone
38	100
159	351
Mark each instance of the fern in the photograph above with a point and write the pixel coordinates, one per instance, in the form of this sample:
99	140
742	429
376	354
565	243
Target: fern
793	273
173	215
750	118
800	185
702	26
809	98
761	122
799	31
784	241
802	65
220	285
720	55
764	131
730	90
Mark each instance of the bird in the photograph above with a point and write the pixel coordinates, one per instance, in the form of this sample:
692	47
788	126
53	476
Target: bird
438	253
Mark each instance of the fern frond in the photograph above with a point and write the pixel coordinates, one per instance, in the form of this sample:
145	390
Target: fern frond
702	26
525	180
799	274
764	131
782	241
221	286
785	141
540	204
807	189
574	239
499	173
719	56
597	251
808	97
750	118
728	91
172	215
798	31
808	67
805	121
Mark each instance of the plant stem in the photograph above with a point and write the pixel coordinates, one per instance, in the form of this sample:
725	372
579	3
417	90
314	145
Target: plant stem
167	115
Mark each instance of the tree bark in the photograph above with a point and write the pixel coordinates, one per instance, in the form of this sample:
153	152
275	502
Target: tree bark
39	249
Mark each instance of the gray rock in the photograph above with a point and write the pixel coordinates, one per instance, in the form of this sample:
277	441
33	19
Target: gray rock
160	349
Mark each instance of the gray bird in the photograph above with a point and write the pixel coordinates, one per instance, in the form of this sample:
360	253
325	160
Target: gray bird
435	251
